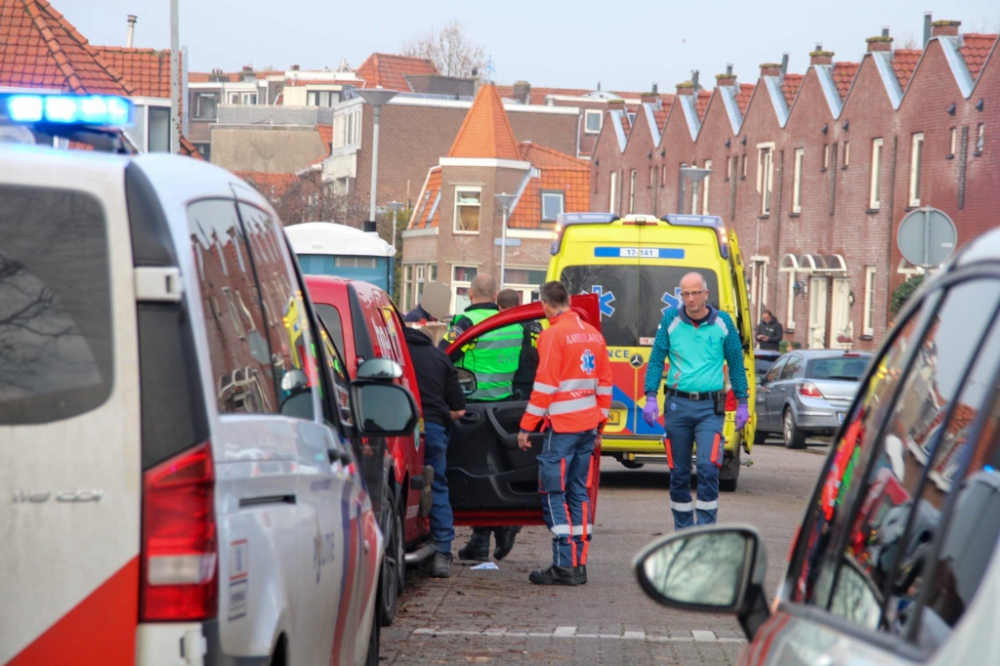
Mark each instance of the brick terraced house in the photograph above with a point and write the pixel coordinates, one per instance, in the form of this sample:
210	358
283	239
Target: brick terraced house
815	171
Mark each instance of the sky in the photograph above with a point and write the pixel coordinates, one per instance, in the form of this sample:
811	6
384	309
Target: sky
551	43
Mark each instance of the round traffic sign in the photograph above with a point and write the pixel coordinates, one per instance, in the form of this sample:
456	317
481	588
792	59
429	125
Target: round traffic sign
926	237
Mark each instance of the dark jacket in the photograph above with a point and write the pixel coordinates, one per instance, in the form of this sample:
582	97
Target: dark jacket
774	333
418	314
437	378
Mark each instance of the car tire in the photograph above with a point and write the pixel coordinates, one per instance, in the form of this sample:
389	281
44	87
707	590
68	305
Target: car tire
793	437
393	563
374	638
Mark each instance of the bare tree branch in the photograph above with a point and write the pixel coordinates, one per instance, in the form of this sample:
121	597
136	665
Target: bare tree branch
449	49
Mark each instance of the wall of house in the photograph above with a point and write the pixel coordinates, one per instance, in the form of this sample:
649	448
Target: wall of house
270	150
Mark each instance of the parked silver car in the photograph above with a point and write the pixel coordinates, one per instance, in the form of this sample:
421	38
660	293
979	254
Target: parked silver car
806	393
897	559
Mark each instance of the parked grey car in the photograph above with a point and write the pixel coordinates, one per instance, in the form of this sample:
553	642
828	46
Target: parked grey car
806	393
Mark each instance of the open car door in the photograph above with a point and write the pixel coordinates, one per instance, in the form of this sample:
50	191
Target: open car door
491	481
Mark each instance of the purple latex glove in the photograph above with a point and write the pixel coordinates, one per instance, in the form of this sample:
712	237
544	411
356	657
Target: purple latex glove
651	411
742	415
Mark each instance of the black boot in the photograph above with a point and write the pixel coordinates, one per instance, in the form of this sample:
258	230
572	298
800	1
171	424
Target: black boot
437	565
505	540
581	574
478	548
555	576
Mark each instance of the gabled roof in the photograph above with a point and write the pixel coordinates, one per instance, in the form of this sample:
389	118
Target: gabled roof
326	134
661	114
843	76
975	50
904	62
41	49
385	70
790	85
425	212
540	156
147	71
743	96
574	183
701	103
486	130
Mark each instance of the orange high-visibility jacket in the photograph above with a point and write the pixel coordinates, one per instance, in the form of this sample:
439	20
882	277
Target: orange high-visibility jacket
573	384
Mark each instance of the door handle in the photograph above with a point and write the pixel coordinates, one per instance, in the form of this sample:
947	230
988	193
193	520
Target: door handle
471	417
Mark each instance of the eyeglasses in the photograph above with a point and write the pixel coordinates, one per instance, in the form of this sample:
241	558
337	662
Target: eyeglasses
692	294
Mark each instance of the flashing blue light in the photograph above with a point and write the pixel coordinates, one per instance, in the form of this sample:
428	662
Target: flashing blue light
92	110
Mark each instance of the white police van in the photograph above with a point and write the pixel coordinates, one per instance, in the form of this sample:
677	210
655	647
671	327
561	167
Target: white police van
178	475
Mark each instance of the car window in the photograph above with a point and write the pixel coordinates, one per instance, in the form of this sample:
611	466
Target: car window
240	354
504	360
288	326
788	371
776	369
847	368
338	374
55	305
330	317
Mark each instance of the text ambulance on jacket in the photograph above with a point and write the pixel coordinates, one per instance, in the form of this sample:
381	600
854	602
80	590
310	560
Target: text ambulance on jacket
572	389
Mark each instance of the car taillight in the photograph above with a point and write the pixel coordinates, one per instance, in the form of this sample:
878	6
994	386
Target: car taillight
809	390
179	550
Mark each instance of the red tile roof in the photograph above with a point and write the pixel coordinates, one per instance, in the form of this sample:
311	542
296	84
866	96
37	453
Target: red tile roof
422	218
904	61
743	96
540	156
976	49
147	71
626	123
660	115
790	87
843	76
389	71
231	77
326	134
538	95
271	185
41	49
573	182
701	104
486	130
188	149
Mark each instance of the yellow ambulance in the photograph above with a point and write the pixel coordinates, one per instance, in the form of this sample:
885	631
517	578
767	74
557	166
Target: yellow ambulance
634	264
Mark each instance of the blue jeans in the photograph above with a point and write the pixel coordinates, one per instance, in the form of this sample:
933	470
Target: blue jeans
435	455
563	479
688	422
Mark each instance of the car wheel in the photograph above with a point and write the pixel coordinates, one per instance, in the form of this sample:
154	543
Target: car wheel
630	464
392	562
371	659
759	436
794	438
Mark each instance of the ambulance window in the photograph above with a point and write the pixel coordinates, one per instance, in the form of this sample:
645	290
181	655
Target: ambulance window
660	288
618	288
295	371
235	325
55	305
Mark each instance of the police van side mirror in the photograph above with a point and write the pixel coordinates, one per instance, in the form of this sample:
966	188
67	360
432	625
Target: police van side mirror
380	368
467	381
382	410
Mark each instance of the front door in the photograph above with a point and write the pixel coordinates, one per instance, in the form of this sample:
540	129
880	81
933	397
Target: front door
490	480
817	313
841	326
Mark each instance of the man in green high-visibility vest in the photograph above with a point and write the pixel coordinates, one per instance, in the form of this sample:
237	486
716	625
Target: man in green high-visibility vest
494	359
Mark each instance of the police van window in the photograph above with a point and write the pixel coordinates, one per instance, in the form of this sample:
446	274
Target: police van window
242	375
56	356
288	331
331	319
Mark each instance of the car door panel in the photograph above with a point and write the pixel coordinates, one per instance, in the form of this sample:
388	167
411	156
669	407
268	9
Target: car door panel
491	481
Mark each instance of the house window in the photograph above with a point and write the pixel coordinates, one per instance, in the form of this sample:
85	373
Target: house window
765	177
729	168
323	98
874	189
869	317
234	98
408	287
800	154
916	158
613	206
743	170
631	192
704	184
631	118
248	98
553	205
652	177
826	156
419	283
460	283
954	142
790	309
592	119
847	154
206	106
980	138
467	210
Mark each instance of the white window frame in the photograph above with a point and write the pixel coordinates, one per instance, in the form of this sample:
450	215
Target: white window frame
826	156
875	184
705	183
868	325
562	203
613	199
800	156
980	138
456	284
847	154
954	142
456	229
916	161
587	115
408	287
790	308
765	175
631	190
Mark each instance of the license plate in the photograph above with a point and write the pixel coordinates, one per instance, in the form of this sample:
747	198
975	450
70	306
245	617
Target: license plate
840	416
615	417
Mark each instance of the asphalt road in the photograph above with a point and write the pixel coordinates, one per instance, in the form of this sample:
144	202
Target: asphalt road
498	617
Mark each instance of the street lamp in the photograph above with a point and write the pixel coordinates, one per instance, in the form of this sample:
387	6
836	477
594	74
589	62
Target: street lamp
377	97
505	200
695	175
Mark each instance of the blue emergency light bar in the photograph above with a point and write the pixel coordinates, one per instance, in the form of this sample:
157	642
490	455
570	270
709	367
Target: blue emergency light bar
107	111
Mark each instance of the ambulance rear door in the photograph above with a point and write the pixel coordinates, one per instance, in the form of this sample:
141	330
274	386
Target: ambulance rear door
745	327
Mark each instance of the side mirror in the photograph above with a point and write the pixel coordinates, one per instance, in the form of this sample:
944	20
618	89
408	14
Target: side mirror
294	380
382	409
380	369
467	381
711	569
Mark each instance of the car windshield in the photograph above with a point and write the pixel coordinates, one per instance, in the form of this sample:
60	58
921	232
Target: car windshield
846	368
633	297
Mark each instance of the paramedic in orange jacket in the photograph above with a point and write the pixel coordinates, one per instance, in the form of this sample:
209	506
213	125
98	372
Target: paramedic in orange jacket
572	397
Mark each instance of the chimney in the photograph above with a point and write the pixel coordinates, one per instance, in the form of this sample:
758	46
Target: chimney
656	89
770	69
784	64
927	28
132	18
694	80
727	79
522	92
295	68
945	28
649	97
686	88
880	43
820	57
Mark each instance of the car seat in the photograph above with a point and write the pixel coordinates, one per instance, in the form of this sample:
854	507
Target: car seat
821	370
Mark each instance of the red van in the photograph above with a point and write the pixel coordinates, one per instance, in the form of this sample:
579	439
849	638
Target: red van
364	323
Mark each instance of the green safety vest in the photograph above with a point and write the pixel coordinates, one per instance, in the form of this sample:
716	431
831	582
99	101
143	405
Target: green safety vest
493	358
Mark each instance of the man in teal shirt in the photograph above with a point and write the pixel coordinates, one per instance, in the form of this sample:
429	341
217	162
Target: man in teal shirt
696	338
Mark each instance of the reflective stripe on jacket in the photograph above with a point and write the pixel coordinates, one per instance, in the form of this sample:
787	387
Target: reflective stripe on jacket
573	384
493	358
